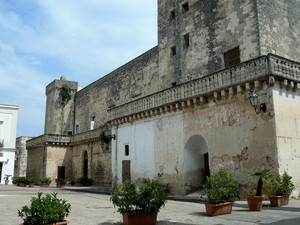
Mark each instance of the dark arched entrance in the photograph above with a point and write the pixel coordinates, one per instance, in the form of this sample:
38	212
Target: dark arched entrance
196	162
85	164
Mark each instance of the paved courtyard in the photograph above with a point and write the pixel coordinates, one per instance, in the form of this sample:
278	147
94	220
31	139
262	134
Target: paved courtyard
91	207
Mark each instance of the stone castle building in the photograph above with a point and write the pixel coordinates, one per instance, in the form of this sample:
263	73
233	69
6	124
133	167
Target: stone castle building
181	110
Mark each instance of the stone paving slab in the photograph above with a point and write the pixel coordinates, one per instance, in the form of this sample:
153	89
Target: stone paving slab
92	208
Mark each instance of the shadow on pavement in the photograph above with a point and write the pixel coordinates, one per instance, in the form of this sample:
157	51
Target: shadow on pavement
294	221
160	222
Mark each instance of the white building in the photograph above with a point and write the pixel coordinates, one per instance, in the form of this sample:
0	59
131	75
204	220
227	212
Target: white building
8	132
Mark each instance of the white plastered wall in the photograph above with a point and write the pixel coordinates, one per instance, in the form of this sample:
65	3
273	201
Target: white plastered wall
8	132
140	138
287	114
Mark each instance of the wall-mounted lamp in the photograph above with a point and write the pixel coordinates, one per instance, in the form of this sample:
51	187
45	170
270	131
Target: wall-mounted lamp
108	134
253	100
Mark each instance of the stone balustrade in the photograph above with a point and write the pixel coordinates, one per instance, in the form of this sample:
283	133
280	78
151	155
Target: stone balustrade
63	139
87	136
48	138
246	72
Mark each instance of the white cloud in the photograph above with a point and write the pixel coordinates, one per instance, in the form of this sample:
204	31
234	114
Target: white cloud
82	40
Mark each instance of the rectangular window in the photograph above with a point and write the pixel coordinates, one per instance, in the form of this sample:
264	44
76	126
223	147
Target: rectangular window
126	150
186	38
172	13
173	51
1	154
185	7
232	57
77	129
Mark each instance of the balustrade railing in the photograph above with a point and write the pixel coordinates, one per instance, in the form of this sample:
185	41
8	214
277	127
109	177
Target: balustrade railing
51	138
243	73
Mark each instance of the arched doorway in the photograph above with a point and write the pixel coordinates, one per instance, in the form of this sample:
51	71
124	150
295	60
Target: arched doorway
196	162
85	164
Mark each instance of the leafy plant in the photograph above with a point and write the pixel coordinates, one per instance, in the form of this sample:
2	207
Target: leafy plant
65	93
260	174
6	176
277	185
22	180
45	210
84	180
29	180
221	187
45	180
104	138
147	197
60	181
15	179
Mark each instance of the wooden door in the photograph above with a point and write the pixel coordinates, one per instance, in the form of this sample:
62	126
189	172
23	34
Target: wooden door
126	170
61	172
206	166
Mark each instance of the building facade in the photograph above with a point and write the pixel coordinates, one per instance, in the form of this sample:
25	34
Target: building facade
181	110
8	132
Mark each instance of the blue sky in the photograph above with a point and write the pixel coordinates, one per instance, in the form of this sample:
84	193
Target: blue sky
41	40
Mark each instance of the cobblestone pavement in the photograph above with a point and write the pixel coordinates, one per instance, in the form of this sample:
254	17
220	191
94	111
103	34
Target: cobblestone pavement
91	207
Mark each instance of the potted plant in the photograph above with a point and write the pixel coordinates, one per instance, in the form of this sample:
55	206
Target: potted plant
30	181
6	178
45	210
60	182
45	181
255	202
221	191
279	189
79	181
139	204
22	181
82	181
15	181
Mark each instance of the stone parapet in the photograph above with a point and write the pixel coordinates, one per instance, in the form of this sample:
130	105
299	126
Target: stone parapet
216	84
48	139
54	139
86	137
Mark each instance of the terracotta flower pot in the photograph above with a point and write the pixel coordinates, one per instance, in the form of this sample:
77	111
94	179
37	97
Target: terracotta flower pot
140	219
255	202
279	200
22	184
60	185
59	223
45	185
31	185
79	184
218	209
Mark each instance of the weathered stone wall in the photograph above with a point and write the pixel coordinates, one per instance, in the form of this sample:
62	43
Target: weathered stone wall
214	27
36	163
287	114
238	140
59	114
99	162
58	156
21	157
279	27
133	80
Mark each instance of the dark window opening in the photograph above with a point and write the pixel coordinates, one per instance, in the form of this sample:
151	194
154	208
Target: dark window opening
185	7
77	129
173	84
172	14
93	118
186	40
232	57
70	132
61	172
173	50
126	150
